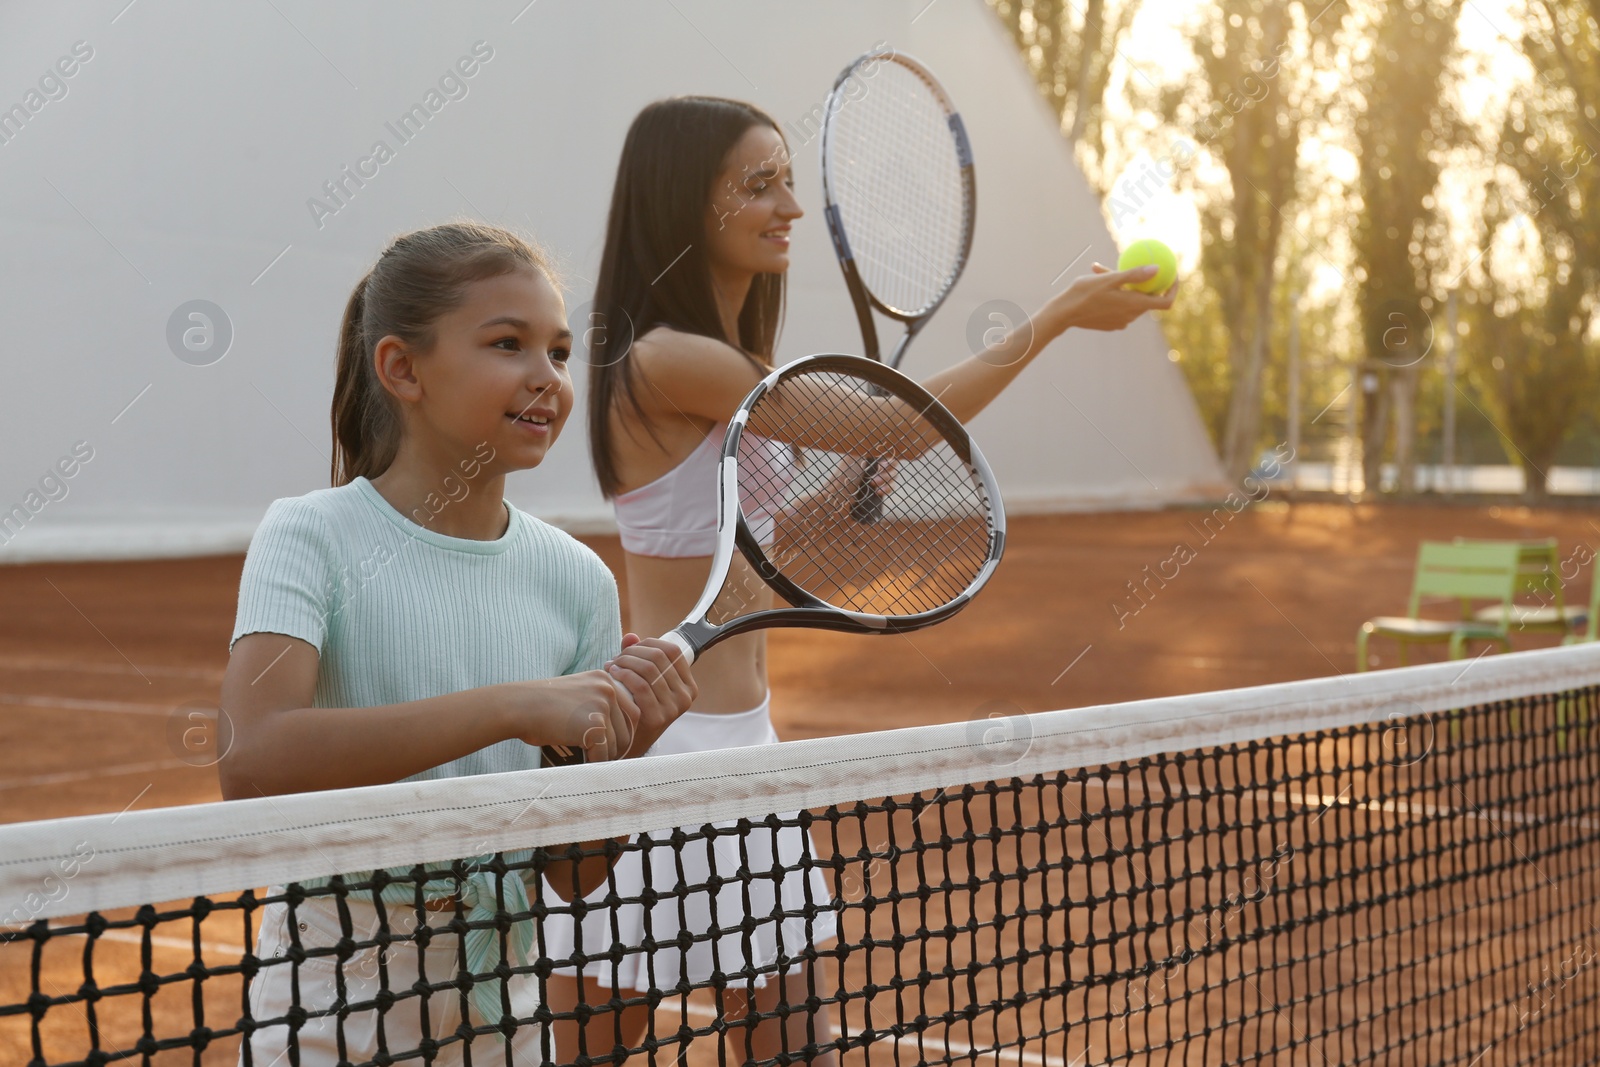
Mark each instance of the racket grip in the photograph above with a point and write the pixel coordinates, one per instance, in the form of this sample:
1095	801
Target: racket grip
559	756
866	506
675	638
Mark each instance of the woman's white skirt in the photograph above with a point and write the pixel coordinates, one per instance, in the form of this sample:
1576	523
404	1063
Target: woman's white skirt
777	884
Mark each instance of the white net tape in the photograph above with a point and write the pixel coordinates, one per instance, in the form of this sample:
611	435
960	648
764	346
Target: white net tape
169	854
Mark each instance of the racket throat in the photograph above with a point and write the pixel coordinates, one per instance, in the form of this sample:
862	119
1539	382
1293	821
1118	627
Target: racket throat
691	638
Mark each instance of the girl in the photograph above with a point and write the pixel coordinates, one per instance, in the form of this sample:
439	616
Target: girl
694	260
411	624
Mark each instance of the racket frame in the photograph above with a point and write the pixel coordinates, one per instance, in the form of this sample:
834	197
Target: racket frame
861	297
695	634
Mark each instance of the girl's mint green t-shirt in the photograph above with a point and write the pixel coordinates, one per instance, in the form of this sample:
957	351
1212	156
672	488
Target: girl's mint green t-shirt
398	612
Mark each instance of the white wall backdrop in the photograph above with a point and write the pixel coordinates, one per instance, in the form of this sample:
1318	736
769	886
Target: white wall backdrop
160	152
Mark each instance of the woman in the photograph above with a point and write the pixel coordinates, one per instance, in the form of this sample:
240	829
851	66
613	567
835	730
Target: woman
696	250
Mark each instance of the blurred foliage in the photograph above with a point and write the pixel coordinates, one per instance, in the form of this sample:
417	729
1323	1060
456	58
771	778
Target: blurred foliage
1069	48
1249	110
1194	328
1375	82
1400	243
1532	356
1198	334
1536	374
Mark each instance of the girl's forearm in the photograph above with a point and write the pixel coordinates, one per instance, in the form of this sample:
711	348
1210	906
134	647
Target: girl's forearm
570	878
348	747
372	746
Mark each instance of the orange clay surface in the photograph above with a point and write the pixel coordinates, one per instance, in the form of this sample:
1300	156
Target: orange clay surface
98	661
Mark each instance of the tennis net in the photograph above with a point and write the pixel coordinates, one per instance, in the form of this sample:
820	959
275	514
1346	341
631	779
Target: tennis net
1397	867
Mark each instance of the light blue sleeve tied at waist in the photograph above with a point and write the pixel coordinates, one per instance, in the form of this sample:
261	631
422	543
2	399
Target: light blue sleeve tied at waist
481	892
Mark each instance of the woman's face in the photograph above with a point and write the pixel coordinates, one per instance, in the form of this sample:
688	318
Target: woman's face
498	372
752	205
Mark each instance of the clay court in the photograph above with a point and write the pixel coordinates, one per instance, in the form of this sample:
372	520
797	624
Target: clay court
102	660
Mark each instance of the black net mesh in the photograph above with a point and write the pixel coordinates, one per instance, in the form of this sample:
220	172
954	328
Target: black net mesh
929	531
1412	891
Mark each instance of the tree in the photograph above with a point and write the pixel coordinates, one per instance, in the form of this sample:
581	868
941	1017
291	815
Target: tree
1198	335
1530	351
1400	132
1250	109
1536	374
1070	58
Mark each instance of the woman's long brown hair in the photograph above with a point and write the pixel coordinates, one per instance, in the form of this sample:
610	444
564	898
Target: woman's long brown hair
654	268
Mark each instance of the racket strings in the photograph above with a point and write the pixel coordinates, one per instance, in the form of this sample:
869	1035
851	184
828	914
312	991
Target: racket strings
935	534
870	577
932	545
912	567
901	177
898	183
916	586
925	581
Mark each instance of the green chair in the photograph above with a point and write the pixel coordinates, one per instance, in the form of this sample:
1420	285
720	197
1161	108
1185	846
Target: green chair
1539	570
1463	572
1585	627
1586	624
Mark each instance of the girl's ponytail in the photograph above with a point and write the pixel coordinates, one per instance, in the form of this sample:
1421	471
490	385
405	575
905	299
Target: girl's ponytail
420	277
365	431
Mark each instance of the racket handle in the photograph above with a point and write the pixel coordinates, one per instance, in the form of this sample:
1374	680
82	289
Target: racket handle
559	756
675	638
866	506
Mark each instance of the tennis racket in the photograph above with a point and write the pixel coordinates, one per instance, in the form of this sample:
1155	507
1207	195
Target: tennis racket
791	460
901	201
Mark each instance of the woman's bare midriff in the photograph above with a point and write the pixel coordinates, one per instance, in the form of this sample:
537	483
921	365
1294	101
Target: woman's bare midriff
661	591
733	675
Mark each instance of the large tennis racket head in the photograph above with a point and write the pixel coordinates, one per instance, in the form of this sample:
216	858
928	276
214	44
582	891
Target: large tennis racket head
898	184
789	477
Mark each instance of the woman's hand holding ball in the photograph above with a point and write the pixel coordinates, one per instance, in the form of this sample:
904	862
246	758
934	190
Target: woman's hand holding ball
1110	299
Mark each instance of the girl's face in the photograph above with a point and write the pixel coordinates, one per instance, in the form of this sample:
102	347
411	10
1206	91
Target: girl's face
752	205
498	371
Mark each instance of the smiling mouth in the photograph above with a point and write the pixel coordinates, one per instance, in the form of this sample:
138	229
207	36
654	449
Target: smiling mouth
535	420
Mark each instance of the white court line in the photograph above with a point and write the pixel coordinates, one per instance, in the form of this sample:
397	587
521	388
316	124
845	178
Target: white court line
210	949
28	700
66	777
1325	800
955	1048
78	666
1400	806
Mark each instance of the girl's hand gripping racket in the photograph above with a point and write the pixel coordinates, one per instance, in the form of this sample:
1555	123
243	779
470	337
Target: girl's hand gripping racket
901	202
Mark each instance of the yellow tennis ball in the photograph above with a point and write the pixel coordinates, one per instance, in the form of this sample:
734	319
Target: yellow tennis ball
1145	252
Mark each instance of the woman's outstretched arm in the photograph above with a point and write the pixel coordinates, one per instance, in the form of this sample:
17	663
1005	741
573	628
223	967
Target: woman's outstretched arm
686	375
1095	301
